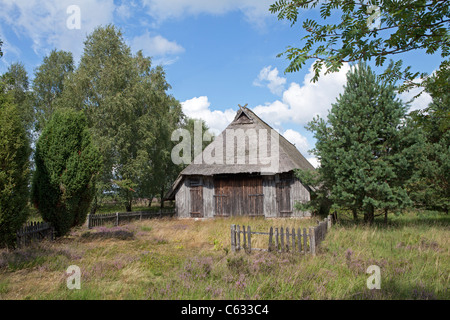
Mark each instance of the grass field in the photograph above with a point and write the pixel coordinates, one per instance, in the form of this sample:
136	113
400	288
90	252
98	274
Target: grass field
187	259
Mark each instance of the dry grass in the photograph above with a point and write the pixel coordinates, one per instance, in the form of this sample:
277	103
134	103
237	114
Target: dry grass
188	259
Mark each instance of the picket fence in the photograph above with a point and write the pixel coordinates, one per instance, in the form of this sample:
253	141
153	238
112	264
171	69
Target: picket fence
34	231
97	220
301	241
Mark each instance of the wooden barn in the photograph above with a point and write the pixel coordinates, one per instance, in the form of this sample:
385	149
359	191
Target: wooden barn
249	175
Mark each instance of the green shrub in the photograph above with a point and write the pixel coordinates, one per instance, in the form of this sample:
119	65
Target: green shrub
66	166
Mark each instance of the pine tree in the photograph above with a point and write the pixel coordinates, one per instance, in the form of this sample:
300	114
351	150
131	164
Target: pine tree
362	147
431	187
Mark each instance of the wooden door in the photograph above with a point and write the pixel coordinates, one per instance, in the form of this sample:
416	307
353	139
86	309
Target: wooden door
253	197
222	199
284	198
238	196
197	201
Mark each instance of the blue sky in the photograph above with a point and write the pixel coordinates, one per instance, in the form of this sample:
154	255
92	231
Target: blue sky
216	53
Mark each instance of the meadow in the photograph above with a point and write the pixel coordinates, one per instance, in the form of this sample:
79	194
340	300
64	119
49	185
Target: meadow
186	259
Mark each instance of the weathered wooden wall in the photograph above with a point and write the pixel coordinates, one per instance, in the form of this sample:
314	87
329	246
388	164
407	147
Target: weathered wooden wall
208	197
301	194
183	200
270	204
238	195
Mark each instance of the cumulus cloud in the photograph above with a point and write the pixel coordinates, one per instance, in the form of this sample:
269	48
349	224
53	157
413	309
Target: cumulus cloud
300	142
421	102
199	108
45	22
268	76
301	102
163	50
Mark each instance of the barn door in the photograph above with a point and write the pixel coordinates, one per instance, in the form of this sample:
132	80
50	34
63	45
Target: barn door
222	205
255	202
284	198
196	200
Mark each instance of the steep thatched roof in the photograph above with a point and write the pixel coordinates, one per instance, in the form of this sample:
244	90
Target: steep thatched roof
283	158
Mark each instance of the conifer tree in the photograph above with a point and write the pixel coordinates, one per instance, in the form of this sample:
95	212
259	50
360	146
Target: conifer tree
363	147
67	164
14	169
431	188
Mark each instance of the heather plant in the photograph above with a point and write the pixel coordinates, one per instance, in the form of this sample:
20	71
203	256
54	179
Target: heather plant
410	252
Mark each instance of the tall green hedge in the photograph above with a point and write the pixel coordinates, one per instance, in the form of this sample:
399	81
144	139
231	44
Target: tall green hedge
67	164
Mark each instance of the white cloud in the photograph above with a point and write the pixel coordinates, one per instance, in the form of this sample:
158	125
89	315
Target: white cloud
300	103
314	161
199	108
156	45
162	50
421	102
268	76
254	10
45	22
300	142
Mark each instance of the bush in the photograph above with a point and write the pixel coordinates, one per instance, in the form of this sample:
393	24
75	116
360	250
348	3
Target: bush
14	171
66	166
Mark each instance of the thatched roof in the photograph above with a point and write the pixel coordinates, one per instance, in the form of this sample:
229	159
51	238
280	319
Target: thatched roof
287	156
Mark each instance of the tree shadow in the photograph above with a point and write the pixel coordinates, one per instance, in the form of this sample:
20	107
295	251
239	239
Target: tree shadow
435	220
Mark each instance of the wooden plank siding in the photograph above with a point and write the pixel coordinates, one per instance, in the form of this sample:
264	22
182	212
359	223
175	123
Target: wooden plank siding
236	195
299	193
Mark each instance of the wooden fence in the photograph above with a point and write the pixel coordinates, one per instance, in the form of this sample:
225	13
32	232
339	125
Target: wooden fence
97	220
282	240
34	231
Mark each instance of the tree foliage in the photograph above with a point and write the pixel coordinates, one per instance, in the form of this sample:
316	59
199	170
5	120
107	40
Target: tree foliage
129	112
431	188
48	84
14	169
374	29
67	164
17	83
366	154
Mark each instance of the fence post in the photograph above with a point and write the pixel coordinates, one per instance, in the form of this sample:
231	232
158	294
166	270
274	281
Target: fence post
329	222
89	221
293	239
244	238
305	241
282	240
271	239
233	238
249	239
312	242
117	219
238	243
287	240
276	239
